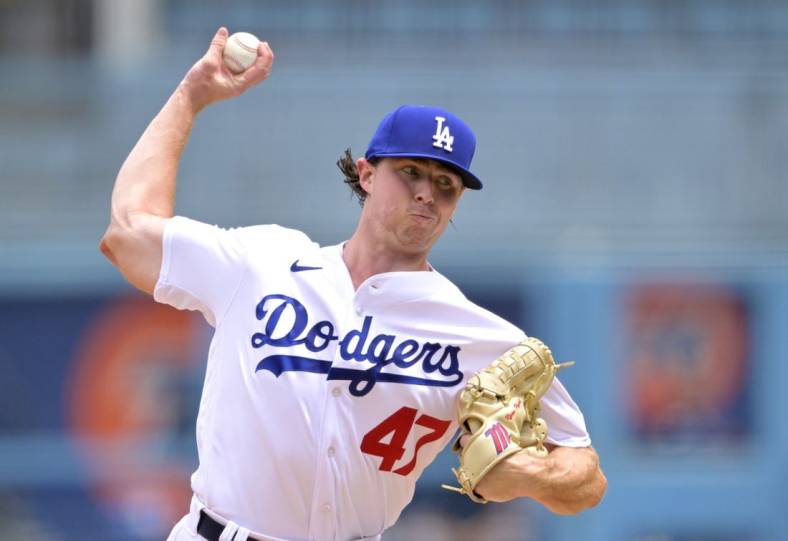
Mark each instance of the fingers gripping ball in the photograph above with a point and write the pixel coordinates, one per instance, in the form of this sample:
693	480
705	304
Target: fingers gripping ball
498	410
240	51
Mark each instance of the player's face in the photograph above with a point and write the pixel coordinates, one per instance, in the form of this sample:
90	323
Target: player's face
412	200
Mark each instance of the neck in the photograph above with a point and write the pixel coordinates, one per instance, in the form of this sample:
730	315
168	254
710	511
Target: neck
365	257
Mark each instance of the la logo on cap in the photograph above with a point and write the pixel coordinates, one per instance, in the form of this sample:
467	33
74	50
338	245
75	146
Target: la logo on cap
443	137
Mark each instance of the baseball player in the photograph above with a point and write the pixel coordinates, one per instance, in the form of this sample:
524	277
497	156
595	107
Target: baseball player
334	371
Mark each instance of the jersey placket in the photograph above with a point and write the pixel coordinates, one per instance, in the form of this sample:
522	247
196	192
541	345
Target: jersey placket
323	522
325	515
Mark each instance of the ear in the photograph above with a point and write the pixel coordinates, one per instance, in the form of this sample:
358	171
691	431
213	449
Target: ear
366	173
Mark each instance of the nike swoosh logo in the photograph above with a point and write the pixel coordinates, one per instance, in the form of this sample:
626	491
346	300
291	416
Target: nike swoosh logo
295	267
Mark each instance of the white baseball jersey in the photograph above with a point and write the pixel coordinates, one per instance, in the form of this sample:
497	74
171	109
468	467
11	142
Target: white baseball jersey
322	405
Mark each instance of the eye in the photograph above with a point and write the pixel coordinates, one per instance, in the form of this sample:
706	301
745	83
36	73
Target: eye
410	170
445	182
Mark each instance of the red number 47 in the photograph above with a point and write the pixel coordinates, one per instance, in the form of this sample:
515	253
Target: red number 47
400	423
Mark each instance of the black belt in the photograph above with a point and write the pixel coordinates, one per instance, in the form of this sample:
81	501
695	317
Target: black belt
210	529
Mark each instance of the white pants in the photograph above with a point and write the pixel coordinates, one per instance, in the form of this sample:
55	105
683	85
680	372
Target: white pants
186	528
183	531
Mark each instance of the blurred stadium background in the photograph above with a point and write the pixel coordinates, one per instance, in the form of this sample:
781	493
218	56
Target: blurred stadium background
635	216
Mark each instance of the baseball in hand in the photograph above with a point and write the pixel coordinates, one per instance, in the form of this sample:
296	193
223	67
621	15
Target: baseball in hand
240	51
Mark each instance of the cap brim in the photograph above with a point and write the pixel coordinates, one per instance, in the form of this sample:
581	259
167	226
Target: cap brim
469	180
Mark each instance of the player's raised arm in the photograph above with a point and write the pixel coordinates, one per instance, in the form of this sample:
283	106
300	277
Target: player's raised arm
144	195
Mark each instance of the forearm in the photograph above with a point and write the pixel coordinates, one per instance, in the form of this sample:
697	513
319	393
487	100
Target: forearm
146	181
567	481
144	194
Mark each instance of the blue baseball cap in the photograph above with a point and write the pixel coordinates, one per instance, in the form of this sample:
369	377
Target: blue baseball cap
416	131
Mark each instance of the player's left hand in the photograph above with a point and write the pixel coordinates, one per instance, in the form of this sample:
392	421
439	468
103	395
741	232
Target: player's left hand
498	417
502	483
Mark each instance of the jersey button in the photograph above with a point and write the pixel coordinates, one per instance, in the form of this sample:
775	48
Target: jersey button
336	391
358	310
326	507
331	451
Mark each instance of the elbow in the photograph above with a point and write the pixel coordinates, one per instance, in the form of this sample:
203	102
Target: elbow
594	488
598	492
134	248
104	248
573	508
590	496
566	508
119	232
119	236
108	243
595	494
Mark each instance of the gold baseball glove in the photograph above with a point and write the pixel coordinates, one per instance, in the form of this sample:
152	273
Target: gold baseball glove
499	410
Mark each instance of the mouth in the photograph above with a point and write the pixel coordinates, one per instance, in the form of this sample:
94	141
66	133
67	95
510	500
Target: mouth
422	217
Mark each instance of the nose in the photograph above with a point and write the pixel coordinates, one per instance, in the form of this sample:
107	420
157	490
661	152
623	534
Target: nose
423	192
